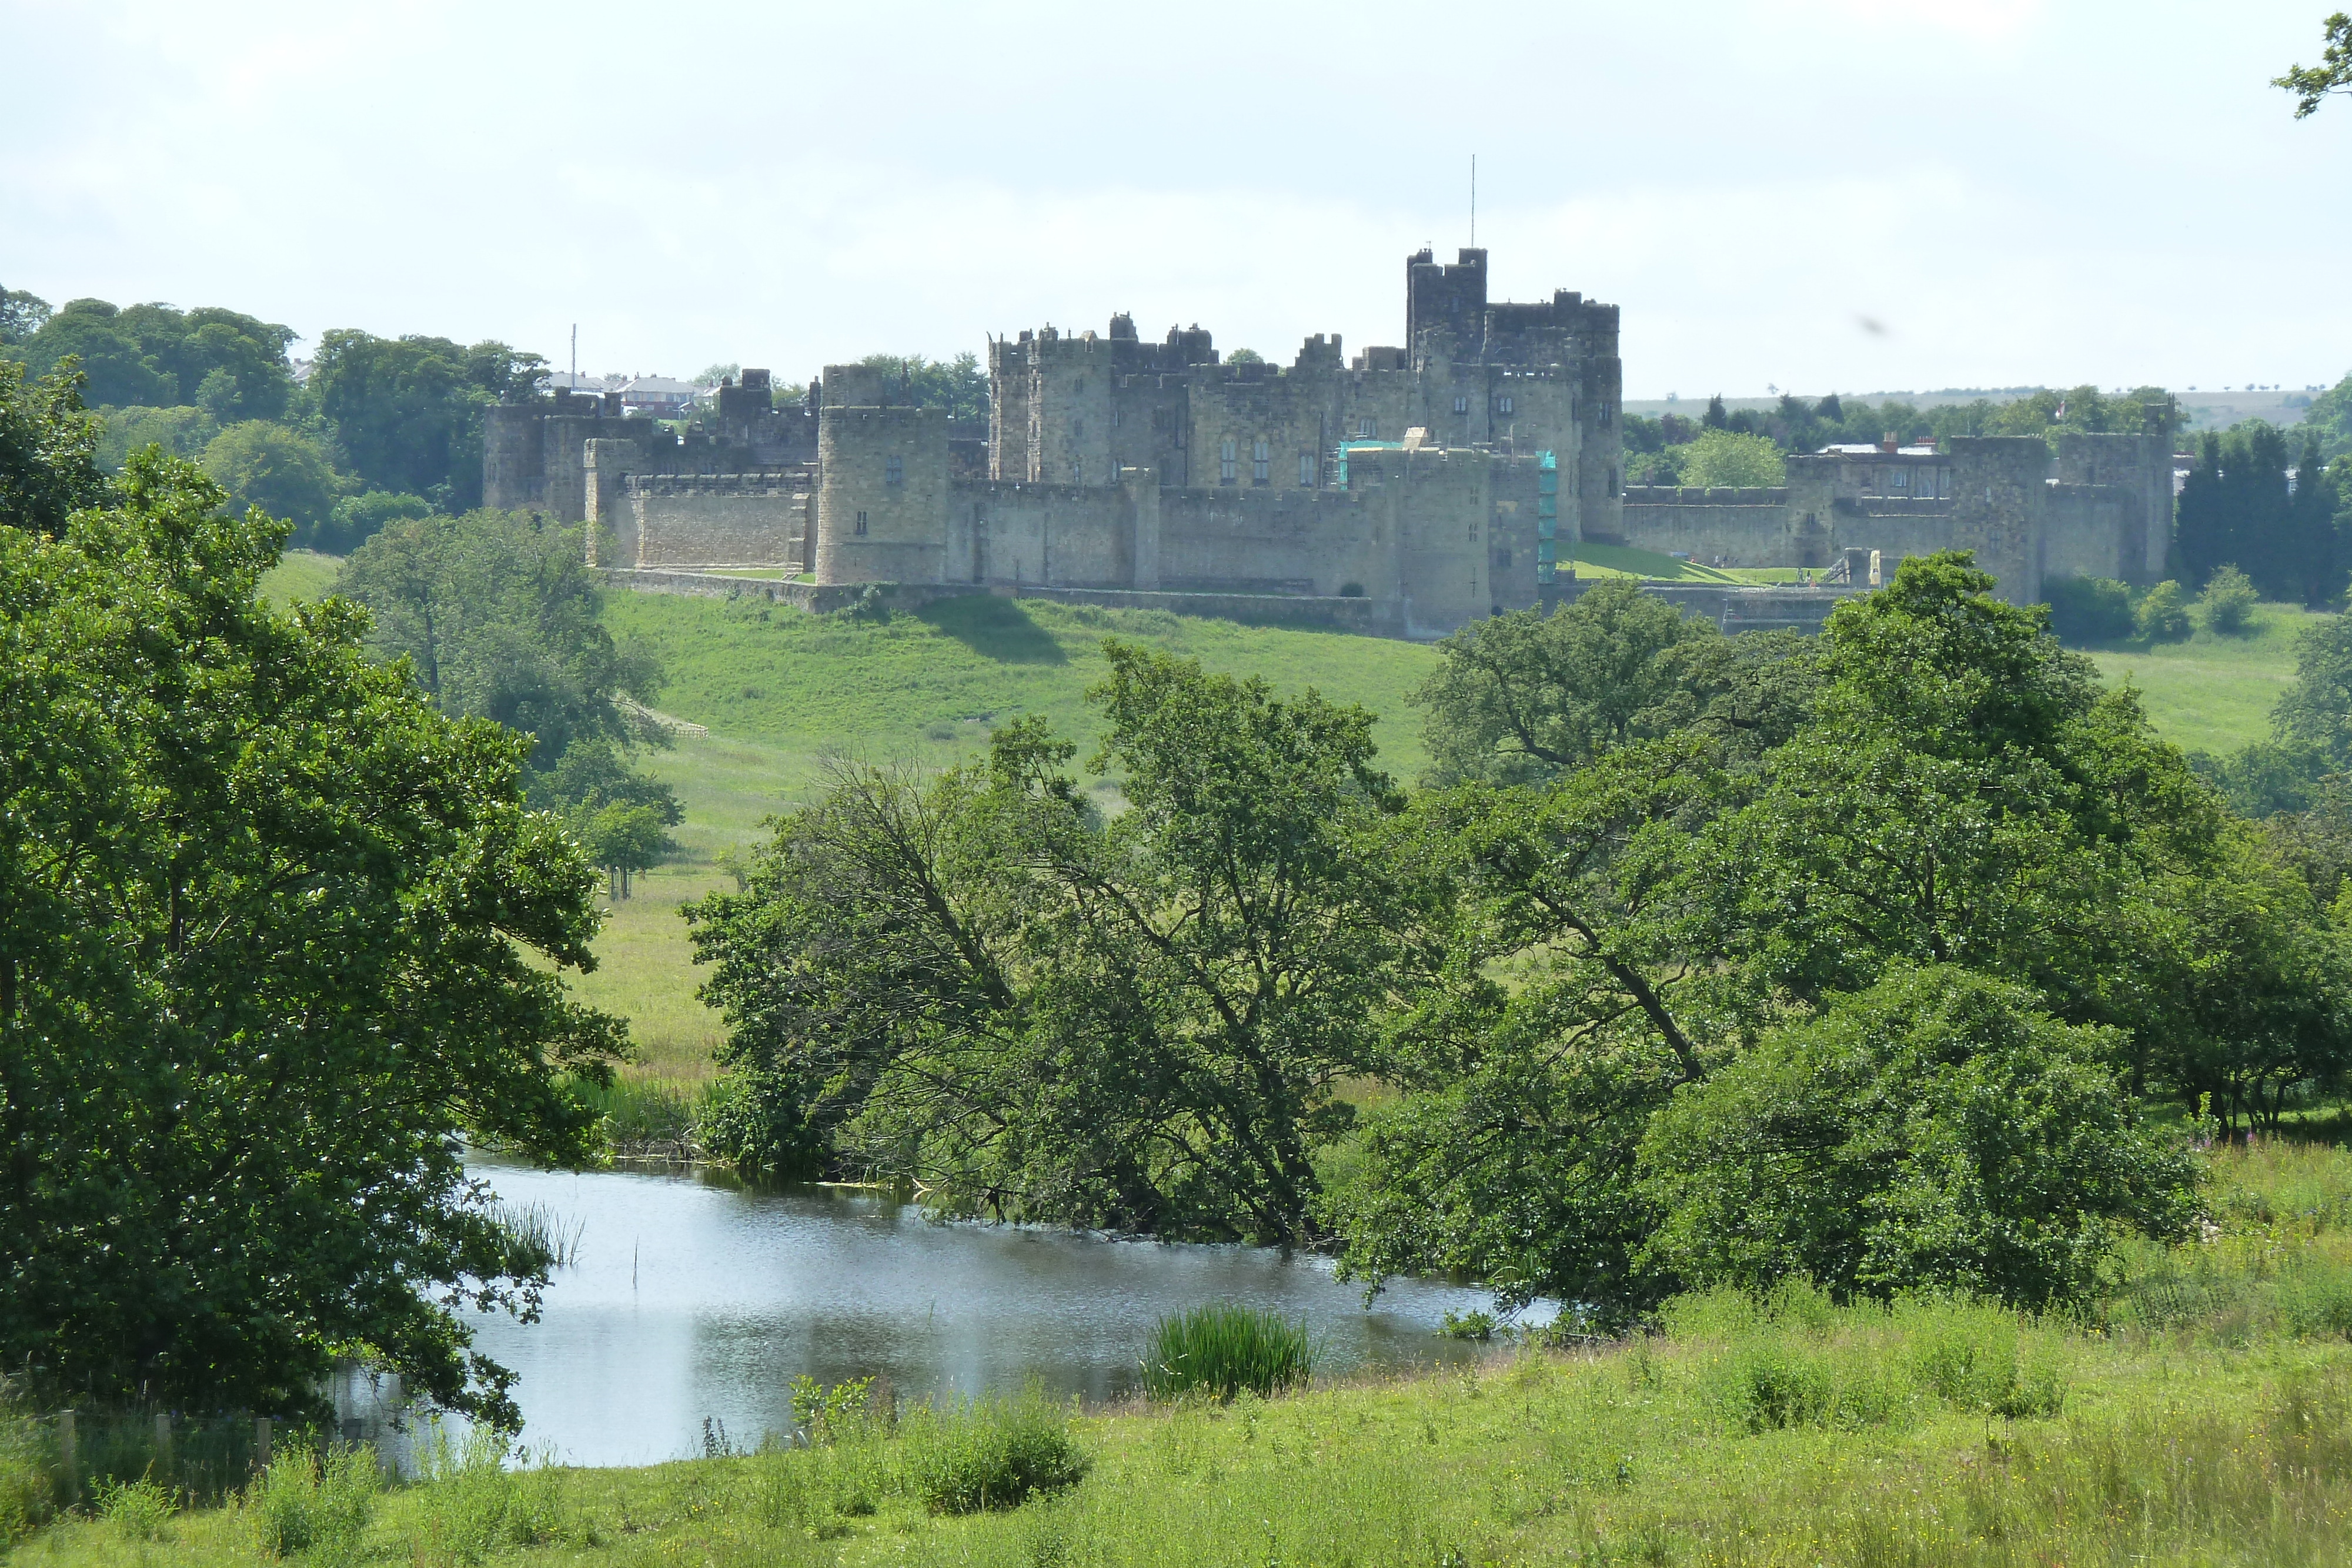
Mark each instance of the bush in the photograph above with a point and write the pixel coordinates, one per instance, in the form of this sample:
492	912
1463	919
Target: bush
2090	608
2228	601
473	1506
1223	1348
990	1453
2163	614
304	1504
140	1510
25	1496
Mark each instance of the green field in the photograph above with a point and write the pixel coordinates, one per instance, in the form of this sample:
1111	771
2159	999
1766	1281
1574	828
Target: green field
2214	693
300	574
927	686
2201	1415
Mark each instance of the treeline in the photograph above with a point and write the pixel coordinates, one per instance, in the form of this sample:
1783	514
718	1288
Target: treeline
1698	959
382	428
1674	450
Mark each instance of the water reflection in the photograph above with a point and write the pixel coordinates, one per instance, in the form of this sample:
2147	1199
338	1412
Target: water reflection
696	1298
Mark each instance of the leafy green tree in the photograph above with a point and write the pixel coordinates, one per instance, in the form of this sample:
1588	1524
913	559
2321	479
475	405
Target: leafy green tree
974	981
21	316
119	371
2163	614
232	365
1520	697
281	471
276	940
2315	713
1937	1132
501	619
2228	601
2312	84
2329	418
181	432
958	385
358	519
408	410
48	450
624	838
1726	457
1568	1013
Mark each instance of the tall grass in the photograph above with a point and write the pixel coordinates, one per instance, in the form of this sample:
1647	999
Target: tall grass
1223	1348
313	1505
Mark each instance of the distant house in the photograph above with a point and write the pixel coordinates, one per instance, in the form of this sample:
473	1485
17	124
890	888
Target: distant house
656	397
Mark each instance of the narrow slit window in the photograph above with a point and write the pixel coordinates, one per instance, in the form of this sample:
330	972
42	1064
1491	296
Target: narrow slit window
894	470
1503	404
1261	463
1462	406
861	522
1227	461
1307	468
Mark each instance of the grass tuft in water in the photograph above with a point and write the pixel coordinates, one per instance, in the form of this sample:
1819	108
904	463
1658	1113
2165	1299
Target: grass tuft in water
1223	1348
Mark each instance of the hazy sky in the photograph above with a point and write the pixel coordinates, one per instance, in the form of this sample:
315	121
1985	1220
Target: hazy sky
2015	190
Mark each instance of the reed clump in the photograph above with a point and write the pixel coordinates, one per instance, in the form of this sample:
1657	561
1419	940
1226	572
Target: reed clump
1224	1349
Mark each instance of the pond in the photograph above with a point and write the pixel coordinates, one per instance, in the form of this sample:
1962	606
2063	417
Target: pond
693	1298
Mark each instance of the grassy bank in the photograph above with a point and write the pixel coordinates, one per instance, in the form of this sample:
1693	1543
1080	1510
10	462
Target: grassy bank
2183	1423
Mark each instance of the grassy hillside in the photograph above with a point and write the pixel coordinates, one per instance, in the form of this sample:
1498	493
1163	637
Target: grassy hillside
2202	1415
2214	693
300	574
784	688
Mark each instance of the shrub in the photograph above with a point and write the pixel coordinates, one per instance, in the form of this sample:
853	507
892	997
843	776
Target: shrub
2228	601
25	1499
2090	608
140	1510
474	1506
990	1453
2163	615
1223	1348
305	1504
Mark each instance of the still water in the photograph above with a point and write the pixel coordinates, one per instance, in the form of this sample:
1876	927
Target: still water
693	1298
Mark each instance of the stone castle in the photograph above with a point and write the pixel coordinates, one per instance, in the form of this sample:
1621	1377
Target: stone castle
1405	490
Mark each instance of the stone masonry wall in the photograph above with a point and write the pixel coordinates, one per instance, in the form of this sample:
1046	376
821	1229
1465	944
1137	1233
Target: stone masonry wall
718	520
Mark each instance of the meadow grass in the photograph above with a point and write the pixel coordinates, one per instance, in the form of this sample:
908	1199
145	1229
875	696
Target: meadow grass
645	973
1787	1430
929	686
2213	693
300	574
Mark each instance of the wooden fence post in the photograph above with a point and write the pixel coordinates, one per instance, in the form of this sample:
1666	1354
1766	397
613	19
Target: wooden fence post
260	1443
69	1456
163	1446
